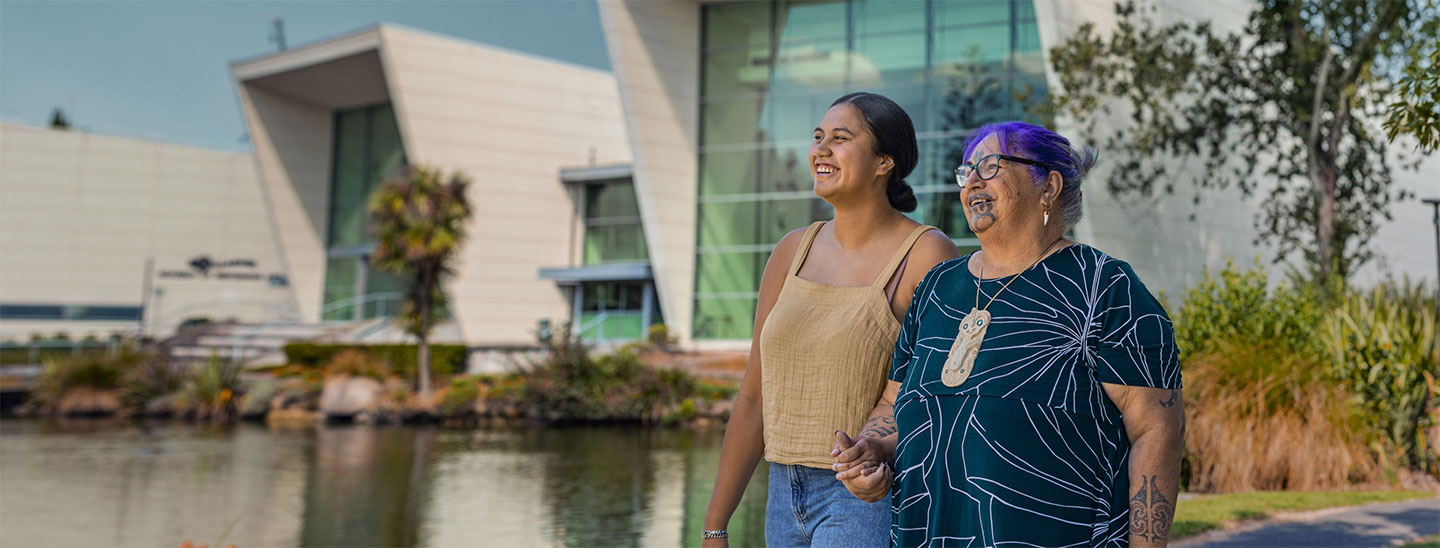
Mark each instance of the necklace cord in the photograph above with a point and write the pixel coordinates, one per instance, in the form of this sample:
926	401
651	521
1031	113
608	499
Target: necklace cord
1012	278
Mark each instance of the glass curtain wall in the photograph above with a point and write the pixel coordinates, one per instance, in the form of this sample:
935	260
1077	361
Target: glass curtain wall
769	72
368	151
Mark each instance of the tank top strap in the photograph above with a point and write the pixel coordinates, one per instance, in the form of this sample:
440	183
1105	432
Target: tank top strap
900	254
805	243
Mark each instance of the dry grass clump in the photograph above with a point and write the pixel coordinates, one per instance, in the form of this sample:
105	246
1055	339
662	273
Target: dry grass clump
1260	417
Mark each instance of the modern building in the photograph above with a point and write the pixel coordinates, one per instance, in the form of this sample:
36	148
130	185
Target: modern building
542	141
655	193
103	235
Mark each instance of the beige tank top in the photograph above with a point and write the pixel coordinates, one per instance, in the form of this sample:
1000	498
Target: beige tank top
825	356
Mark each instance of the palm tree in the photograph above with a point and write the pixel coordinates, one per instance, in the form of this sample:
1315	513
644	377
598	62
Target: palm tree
419	221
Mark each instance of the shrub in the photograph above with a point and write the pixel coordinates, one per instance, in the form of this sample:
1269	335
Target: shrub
152	379
357	363
1239	308
1383	345
459	400
212	387
84	384
446	359
572	386
659	337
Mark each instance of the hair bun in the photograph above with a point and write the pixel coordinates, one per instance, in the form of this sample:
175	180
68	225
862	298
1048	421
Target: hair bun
901	196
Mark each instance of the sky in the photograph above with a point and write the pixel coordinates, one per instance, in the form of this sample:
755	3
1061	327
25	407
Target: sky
159	70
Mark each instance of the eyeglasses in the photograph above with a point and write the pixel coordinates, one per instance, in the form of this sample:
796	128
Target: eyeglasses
989	166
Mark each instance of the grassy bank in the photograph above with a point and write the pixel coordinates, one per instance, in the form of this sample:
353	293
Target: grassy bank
1209	512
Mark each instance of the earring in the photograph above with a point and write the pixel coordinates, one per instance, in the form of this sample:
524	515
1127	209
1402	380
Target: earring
1047	217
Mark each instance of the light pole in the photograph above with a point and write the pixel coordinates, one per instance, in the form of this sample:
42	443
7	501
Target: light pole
1434	204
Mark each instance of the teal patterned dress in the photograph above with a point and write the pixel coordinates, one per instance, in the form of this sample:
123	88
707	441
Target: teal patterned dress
1029	450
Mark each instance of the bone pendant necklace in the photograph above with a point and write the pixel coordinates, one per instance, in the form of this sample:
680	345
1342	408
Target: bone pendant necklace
973	326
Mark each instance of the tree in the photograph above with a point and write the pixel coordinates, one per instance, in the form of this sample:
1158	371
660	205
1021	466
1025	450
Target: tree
1416	108
419	221
58	120
1285	109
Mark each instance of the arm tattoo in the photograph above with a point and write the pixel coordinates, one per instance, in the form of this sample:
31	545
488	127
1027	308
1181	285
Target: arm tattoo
878	427
1150	511
1174	395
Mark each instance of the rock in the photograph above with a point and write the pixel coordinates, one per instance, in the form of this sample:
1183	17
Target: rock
345	396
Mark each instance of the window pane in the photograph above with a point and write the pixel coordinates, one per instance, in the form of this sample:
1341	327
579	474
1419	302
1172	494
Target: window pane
612	199
731	121
348	190
729	272
792	117
737	72
787	169
811	19
738	25
731	223
724	318
339	286
728	172
951	13
810	65
889	59
872	16
387	152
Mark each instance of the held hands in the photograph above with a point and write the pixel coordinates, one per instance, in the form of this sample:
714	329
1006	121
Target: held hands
863	466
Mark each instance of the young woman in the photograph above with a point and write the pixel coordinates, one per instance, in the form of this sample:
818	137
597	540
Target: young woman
831	300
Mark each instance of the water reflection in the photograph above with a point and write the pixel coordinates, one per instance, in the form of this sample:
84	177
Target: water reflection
120	485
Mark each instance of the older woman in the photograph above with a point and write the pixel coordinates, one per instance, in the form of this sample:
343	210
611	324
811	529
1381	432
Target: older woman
1035	383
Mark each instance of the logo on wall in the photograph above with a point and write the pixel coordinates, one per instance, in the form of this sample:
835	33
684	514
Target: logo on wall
202	267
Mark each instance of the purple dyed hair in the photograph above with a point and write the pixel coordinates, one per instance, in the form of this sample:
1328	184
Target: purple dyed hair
1044	146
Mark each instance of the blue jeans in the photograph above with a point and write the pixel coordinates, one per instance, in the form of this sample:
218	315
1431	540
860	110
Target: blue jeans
809	507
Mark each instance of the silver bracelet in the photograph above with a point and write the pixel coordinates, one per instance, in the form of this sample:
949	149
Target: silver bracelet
718	533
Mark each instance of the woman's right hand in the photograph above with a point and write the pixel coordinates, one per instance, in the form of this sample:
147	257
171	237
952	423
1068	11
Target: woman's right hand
715	543
870	484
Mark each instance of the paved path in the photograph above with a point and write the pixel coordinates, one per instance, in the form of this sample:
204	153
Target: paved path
1354	527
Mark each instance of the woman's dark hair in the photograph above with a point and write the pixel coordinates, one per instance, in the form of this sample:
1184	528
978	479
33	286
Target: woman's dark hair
894	137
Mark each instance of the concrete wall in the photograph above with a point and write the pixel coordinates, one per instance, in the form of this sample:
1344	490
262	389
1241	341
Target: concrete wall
509	121
81	213
655	53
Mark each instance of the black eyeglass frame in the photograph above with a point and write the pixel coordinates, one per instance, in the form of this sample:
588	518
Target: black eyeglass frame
960	179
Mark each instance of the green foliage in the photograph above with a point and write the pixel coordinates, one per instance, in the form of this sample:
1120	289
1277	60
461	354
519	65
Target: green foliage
1383	345
213	385
1278	110
98	371
154	377
659	337
572	386
459	400
446	359
1239	308
1415	109
1288	360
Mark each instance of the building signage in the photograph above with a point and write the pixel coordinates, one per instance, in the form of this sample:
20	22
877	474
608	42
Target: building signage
242	269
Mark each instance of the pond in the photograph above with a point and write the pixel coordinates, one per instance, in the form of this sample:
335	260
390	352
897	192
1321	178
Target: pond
93	483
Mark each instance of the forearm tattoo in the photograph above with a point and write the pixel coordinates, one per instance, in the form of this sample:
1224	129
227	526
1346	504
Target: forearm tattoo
879	427
1174	397
1150	511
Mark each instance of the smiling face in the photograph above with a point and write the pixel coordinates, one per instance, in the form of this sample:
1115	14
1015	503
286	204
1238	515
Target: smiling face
843	161
1009	198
